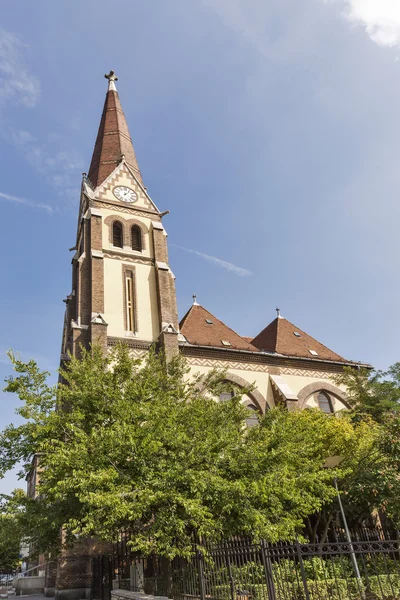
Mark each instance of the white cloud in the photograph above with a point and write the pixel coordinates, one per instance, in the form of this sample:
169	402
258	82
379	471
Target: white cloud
60	169
217	261
24	201
16	83
252	21
285	31
380	19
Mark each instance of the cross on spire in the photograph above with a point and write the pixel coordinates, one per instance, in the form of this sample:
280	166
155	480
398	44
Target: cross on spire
111	76
111	79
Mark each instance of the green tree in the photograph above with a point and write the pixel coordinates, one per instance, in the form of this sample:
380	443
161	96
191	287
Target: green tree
10	531
374	485
370	393
129	443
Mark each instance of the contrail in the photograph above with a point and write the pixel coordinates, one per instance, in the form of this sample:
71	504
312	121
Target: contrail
217	261
26	202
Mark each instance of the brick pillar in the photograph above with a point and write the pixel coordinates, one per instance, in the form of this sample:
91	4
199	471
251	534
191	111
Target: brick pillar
74	578
167	307
84	297
98	334
169	343
79	340
50	578
75	569
98	327
97	266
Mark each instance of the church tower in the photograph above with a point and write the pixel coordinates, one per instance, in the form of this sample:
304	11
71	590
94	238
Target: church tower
122	286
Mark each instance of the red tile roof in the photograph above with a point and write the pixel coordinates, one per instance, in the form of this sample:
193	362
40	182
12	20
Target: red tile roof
113	140
279	337
199	332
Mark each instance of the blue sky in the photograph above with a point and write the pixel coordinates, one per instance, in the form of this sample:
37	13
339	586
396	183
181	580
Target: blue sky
270	130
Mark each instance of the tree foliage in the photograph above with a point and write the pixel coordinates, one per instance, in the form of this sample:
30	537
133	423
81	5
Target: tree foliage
130	443
374	485
10	531
372	394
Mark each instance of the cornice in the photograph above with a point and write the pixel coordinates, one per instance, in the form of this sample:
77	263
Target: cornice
261	358
131	258
131	343
130	210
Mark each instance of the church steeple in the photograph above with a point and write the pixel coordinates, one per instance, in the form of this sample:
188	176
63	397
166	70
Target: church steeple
122	286
113	139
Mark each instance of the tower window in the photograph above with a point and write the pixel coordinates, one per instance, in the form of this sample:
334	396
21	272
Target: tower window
136	238
224	396
130	306
325	403
118	235
252	419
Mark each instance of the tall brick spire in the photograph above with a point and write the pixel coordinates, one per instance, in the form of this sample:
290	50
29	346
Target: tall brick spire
113	139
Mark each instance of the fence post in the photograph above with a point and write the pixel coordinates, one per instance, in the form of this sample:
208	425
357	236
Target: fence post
231	580
202	583
348	538
268	571
110	576
303	573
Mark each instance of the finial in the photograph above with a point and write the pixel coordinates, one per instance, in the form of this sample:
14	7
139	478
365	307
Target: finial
111	79
278	312
195	303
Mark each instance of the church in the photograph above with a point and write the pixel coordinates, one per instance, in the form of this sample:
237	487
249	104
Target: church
123	289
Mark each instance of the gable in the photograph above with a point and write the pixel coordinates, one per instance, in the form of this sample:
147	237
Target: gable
122	176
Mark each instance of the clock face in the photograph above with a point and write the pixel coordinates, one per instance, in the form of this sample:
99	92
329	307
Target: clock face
124	194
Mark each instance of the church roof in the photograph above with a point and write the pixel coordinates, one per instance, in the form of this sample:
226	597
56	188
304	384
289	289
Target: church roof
113	139
282	337
201	328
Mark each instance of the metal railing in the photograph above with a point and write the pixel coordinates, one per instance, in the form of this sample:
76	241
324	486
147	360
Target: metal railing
32	571
6	578
241	570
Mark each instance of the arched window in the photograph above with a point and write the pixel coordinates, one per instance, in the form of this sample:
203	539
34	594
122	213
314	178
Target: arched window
224	396
325	403
136	238
252	419
118	238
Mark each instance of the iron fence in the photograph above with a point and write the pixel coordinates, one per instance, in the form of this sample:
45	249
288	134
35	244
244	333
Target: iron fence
367	568
361	533
103	575
241	570
6	578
